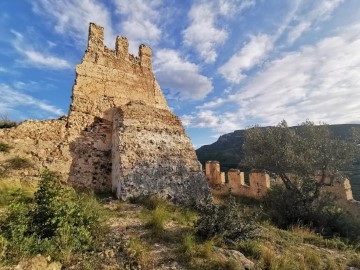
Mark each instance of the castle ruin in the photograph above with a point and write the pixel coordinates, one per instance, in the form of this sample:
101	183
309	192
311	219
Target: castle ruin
119	134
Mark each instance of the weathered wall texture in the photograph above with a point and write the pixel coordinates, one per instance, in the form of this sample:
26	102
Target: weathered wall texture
41	142
236	179
109	78
119	134
213	173
259	181
152	154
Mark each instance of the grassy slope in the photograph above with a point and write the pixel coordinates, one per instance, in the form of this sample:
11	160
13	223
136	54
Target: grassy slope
154	234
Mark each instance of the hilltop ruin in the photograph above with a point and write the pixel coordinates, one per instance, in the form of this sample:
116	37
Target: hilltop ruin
119	134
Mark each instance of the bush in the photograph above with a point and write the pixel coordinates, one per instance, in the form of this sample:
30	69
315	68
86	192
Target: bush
5	148
226	221
287	208
5	122
54	223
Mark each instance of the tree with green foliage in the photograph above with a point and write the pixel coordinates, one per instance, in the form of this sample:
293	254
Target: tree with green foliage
56	222
304	158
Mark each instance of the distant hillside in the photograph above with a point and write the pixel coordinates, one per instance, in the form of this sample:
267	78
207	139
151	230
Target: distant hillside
228	151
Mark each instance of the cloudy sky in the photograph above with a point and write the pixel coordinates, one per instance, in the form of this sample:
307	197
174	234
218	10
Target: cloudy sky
222	64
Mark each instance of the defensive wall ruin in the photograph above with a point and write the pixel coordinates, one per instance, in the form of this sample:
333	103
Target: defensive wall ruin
260	182
119	134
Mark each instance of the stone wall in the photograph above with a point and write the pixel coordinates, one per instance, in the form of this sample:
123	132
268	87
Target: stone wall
260	183
213	173
119	135
235	179
153	155
43	143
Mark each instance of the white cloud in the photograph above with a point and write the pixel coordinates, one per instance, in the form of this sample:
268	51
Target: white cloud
259	46
15	101
220	122
318	82
212	104
256	50
205	118
2	69
249	55
319	11
140	22
180	77
36	58
72	17
203	32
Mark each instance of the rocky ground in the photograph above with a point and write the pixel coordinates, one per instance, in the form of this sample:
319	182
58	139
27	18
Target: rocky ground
130	242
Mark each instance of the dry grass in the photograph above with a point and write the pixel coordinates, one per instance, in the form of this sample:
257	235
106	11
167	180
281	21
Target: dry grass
140	250
10	190
5	148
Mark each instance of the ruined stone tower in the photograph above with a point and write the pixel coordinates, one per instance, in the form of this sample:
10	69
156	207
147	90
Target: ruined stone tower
120	134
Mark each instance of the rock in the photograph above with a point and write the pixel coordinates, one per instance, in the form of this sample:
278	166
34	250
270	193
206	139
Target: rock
38	262
237	256
109	253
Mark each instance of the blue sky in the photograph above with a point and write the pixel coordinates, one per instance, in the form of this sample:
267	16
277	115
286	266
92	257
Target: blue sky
222	64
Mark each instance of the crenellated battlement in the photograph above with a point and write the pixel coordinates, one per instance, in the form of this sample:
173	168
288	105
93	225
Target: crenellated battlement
260	182
96	49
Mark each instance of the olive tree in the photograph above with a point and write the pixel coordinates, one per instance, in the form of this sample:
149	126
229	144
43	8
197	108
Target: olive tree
303	157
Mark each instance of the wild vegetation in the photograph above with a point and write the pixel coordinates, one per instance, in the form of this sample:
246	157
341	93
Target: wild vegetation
55	221
5	122
305	159
87	231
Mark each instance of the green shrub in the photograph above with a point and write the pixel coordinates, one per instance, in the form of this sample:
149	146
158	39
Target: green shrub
287	209
56	222
17	163
7	123
5	148
227	221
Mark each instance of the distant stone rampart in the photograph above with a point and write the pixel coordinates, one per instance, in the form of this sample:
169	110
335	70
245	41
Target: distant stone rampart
260	182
